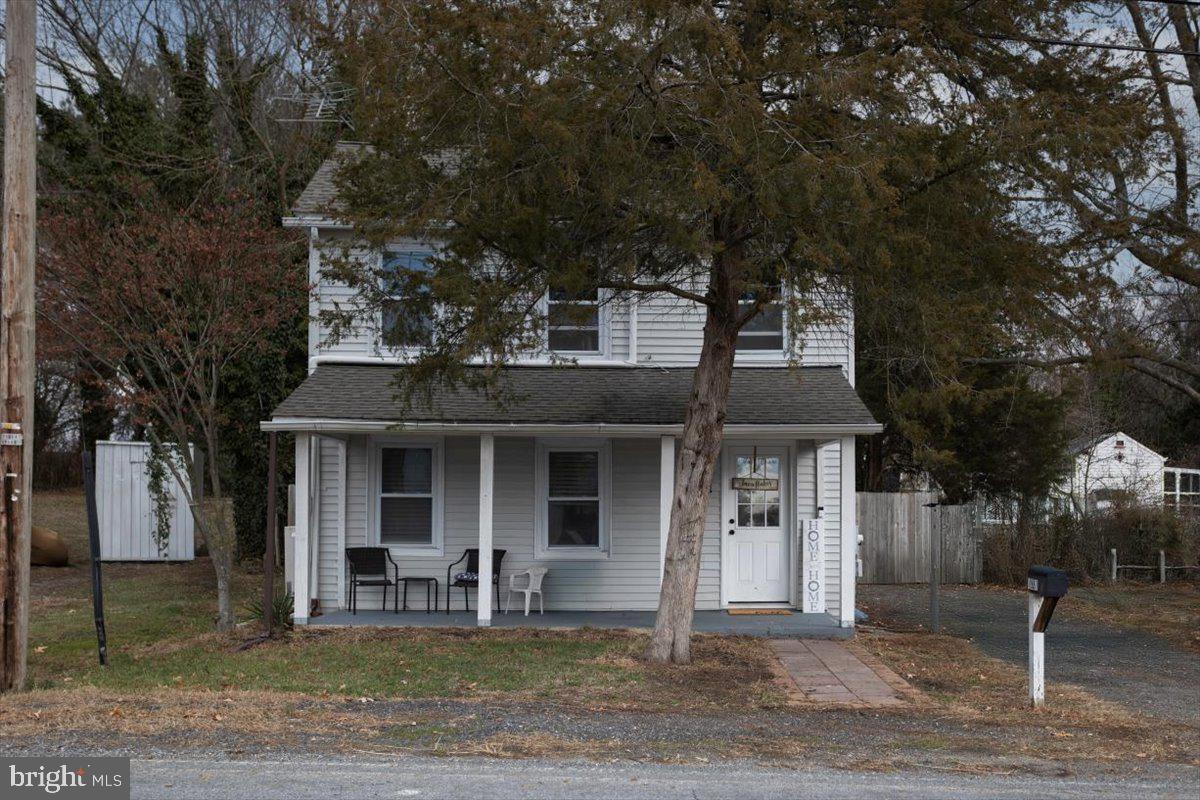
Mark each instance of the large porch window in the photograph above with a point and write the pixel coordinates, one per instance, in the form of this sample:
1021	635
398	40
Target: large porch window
408	487
572	497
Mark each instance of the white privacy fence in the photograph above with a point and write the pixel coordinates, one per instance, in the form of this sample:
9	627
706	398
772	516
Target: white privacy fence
126	511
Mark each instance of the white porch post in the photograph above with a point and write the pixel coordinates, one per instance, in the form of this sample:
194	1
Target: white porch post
343	470
487	458
666	493
849	521
303	529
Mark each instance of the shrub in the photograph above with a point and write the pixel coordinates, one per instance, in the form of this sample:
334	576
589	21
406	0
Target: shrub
1081	545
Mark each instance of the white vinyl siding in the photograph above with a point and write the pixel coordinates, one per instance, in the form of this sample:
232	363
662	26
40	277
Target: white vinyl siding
626	580
671	332
669	329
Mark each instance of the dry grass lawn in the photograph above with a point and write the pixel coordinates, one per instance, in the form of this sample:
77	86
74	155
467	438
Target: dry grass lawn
173	682
976	689
1170	610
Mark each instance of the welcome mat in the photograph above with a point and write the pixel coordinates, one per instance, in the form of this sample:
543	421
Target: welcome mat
781	612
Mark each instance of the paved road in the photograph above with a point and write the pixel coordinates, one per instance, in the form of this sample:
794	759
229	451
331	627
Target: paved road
515	780
1140	670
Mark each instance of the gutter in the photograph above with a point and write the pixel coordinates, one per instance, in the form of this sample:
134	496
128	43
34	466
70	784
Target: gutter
331	425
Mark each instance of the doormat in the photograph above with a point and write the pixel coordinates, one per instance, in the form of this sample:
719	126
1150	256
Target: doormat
782	612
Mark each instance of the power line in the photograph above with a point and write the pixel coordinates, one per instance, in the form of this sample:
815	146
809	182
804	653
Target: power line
1128	48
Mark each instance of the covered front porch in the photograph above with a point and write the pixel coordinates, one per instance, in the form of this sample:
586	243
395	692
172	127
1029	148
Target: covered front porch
774	625
576	477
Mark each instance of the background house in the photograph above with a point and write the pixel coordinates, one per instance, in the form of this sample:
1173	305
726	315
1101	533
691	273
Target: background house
1112	468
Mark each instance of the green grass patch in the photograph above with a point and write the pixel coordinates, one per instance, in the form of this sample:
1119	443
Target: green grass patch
160	621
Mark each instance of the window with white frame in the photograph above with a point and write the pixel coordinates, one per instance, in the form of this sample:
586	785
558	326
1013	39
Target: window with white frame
764	333
1181	489
573	500
408	495
574	321
406	322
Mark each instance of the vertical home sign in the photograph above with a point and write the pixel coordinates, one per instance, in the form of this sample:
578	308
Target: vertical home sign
813	578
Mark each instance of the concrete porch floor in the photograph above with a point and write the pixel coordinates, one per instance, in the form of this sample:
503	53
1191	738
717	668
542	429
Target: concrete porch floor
776	626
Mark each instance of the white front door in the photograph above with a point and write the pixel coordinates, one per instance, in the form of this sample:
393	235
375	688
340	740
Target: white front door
755	531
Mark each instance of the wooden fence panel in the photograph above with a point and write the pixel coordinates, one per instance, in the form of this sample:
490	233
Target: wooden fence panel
896	528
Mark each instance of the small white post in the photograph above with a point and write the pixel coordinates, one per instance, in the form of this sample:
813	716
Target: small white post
487	458
1162	566
1037	656
1112	554
300	569
666	494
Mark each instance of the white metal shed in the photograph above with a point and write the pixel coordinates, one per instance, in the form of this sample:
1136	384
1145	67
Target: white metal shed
126	512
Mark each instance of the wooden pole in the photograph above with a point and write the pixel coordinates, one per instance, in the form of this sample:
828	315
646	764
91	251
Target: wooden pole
16	335
935	564
268	590
93	520
1037	655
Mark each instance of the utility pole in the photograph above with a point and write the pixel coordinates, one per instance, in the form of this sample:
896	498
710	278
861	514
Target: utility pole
16	336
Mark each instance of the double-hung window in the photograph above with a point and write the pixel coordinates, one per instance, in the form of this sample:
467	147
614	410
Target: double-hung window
408	495
574	322
765	332
573	489
407	321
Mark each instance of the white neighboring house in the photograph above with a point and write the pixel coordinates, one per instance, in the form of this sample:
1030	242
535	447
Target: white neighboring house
576	474
1112	467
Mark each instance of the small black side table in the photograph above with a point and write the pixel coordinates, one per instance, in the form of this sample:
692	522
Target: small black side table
429	583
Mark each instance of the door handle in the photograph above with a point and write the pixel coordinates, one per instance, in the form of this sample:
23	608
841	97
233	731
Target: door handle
731	531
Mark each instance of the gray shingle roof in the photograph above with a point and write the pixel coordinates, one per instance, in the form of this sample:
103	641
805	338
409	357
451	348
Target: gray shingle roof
550	395
320	195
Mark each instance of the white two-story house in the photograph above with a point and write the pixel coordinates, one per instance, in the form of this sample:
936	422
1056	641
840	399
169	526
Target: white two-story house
576	475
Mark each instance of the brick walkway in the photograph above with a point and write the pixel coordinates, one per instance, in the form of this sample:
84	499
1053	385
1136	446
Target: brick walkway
836	672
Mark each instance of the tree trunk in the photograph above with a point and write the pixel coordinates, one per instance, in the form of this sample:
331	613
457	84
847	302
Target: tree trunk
703	434
217	525
222	560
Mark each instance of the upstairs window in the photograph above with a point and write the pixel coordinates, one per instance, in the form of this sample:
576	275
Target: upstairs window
764	333
405	323
573	321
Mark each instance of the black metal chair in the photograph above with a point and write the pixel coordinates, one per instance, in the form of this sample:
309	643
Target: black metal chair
369	567
465	579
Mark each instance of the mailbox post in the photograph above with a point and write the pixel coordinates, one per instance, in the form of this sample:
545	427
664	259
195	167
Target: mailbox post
1046	585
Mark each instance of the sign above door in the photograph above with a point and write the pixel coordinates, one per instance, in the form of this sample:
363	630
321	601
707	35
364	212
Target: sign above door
756	484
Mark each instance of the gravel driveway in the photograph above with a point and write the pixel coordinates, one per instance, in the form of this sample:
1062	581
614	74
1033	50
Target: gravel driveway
1140	670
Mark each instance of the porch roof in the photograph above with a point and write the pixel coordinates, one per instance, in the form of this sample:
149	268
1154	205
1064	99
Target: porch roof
802	399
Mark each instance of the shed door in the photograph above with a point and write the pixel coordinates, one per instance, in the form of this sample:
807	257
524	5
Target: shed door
756	540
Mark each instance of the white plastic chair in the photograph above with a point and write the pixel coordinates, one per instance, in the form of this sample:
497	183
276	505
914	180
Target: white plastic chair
533	585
